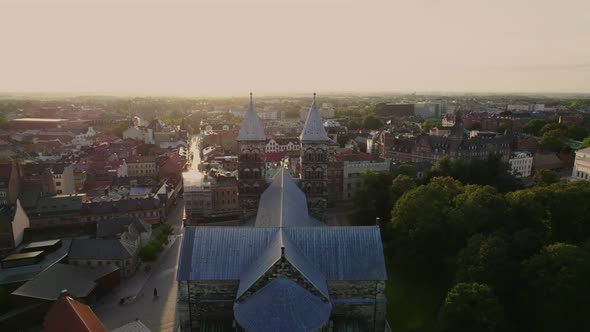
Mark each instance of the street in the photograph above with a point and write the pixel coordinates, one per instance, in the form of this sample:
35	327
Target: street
158	314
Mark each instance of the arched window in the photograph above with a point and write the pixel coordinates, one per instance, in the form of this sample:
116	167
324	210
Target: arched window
319	173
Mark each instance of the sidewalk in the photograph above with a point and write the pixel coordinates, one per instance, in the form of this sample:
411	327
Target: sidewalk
132	287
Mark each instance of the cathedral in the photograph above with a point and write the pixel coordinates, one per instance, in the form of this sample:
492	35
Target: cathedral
286	270
313	162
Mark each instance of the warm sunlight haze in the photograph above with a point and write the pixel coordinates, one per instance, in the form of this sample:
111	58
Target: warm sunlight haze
233	46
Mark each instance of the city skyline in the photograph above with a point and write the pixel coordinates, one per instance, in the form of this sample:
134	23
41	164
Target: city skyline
230	47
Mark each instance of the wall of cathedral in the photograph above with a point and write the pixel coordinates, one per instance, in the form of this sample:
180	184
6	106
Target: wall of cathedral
251	176
362	301
207	301
314	177
359	300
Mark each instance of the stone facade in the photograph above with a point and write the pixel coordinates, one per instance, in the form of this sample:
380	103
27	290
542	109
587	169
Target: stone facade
206	301
252	176
314	176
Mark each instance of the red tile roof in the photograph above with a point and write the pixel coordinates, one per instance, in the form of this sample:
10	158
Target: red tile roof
69	315
274	157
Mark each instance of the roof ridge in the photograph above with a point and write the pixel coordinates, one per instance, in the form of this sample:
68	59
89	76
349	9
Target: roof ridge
251	128
314	130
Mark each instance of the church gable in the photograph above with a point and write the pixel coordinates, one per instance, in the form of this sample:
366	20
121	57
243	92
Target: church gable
284	268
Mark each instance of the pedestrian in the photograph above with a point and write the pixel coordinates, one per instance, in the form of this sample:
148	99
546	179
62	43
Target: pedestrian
155	292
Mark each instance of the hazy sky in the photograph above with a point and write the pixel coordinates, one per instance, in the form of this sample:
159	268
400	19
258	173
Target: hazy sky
236	46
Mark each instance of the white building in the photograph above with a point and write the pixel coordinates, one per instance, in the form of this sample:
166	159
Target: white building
85	138
63	177
355	163
581	169
143	134
332	123
281	144
521	163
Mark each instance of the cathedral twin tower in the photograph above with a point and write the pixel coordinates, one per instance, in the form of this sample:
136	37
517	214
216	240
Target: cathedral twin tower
252	162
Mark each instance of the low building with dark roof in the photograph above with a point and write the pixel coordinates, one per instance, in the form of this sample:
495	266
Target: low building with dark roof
56	210
117	227
148	209
82	282
32	300
289	272
121	253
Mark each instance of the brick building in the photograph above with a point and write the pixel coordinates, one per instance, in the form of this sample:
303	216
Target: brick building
456	145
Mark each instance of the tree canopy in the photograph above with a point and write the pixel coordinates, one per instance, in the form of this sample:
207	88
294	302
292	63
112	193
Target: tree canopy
371	122
559	288
529	247
492	171
472	307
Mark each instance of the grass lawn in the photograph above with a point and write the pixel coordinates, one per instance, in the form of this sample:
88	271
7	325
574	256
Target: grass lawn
413	300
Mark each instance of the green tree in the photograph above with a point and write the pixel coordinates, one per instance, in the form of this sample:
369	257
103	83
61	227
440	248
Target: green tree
552	126
118	128
558	287
472	307
371	122
585	143
478	209
426	125
545	177
527	209
534	126
576	133
373	195
422	237
401	185
568	207
406	169
353	125
553	140
501	129
486	259
493	171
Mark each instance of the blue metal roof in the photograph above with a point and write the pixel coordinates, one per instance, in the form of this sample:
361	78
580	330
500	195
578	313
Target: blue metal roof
271	255
268	258
221	253
302	264
282	305
283	204
342	253
338	253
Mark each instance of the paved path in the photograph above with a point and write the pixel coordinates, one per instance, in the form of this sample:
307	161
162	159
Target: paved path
157	314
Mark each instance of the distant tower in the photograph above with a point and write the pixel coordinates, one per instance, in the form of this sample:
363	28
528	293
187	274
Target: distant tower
314	162
251	163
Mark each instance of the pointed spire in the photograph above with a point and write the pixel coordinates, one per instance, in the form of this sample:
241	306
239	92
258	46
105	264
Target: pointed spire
314	126
251	128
